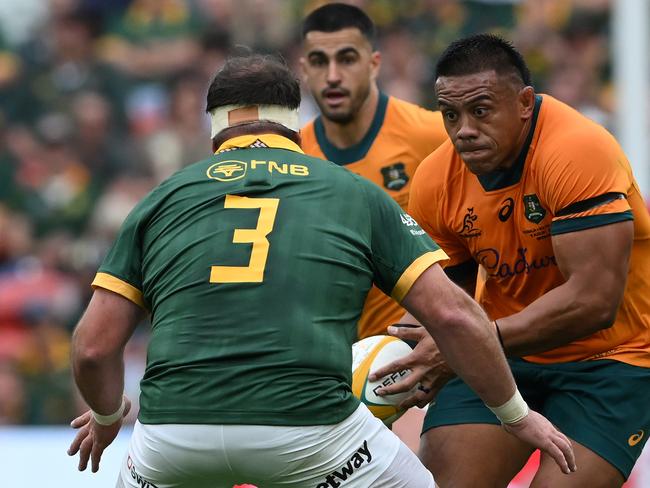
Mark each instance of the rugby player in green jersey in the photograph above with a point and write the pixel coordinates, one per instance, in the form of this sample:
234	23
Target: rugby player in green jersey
253	266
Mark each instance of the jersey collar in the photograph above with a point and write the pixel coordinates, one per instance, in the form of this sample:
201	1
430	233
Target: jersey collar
270	140
498	179
358	151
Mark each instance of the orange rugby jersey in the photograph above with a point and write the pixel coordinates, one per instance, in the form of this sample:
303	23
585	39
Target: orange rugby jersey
566	179
400	136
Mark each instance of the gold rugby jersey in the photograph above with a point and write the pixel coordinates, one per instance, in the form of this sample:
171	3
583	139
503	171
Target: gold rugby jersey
571	175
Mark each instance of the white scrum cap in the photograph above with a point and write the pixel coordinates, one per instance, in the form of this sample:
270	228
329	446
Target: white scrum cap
232	115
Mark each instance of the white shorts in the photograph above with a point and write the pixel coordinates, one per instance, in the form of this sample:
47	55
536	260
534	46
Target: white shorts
359	452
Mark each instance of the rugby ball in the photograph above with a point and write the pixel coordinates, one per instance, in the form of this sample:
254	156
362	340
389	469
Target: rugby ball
368	355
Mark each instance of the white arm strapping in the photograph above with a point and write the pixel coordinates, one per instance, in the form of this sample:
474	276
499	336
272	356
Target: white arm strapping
512	411
112	418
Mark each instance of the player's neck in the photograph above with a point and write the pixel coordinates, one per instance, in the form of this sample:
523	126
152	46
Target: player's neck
522	138
346	135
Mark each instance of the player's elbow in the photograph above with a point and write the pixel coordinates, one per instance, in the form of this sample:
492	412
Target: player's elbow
89	353
458	321
595	307
604	315
88	357
599	313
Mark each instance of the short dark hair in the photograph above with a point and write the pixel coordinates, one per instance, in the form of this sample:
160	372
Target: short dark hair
482	52
336	16
254	79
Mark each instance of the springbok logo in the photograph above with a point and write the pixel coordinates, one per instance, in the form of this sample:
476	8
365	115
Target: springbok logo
227	170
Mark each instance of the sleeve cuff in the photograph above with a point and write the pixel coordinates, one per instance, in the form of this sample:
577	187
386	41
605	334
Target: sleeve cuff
413	272
116	285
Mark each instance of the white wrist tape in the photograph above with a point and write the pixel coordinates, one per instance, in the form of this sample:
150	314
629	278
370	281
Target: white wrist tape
512	411
112	418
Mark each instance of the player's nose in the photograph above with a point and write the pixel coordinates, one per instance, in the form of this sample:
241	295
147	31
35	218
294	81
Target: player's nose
466	128
333	74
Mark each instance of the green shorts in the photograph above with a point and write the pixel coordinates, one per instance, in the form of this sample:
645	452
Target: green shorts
602	404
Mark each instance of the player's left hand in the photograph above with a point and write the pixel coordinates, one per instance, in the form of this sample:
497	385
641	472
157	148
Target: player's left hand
537	430
429	371
93	438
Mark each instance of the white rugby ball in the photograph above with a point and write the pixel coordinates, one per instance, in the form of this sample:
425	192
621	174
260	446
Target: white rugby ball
368	355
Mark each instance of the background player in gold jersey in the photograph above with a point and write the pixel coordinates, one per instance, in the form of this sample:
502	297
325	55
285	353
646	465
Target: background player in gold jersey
545	201
368	132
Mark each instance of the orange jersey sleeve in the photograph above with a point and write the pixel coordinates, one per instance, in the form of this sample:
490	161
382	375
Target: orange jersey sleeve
585	176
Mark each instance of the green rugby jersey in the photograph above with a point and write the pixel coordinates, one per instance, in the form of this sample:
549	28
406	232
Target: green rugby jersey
255	265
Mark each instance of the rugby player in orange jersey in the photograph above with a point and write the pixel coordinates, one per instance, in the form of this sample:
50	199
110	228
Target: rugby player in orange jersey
360	128
544	200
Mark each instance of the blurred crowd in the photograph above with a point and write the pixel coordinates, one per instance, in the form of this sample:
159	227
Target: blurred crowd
100	101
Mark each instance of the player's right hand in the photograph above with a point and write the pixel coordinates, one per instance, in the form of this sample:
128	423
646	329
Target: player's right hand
536	430
93	438
429	371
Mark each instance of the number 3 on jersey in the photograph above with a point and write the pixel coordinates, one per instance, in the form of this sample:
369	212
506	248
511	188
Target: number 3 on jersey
254	272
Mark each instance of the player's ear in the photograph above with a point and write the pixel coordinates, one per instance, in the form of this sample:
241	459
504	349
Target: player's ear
526	98
375	64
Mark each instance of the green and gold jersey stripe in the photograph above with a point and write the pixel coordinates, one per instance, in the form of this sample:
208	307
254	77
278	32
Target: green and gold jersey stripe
271	140
116	285
413	272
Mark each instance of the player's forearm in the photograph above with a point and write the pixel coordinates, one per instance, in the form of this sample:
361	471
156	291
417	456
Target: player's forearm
463	335
98	346
469	335
100	378
557	318
586	302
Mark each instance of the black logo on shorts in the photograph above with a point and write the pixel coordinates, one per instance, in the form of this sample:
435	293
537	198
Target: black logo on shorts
359	458
395	176
506	210
469	220
533	209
